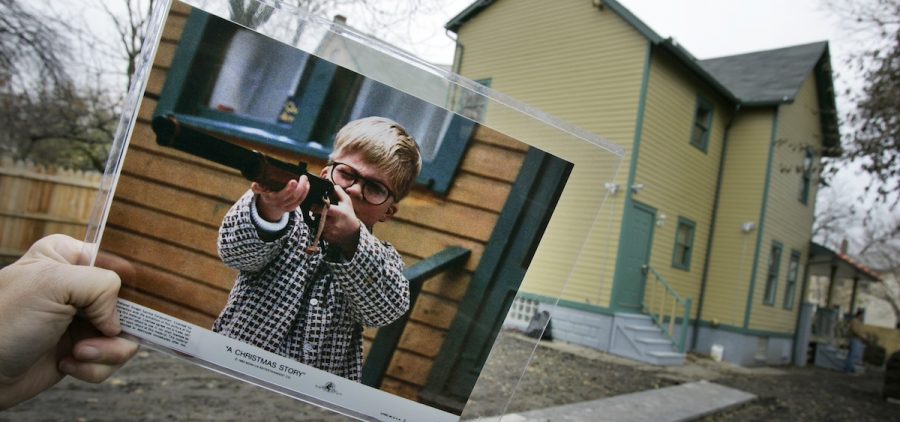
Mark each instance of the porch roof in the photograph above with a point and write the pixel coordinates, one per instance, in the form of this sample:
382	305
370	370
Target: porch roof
822	258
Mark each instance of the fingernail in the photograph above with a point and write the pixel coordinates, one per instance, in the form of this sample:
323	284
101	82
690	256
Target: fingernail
88	353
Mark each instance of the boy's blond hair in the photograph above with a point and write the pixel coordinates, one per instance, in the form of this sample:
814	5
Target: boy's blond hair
384	144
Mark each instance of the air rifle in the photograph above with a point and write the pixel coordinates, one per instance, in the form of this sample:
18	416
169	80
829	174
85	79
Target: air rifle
271	173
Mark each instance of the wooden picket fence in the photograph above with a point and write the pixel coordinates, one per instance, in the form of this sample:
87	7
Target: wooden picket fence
38	201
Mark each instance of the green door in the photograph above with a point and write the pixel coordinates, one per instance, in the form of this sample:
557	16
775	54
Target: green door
635	256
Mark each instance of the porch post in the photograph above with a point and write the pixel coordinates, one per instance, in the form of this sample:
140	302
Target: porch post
853	295
831	284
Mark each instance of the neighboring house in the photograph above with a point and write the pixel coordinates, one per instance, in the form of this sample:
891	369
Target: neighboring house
711	215
839	283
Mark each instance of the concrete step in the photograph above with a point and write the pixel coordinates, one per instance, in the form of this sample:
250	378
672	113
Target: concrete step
654	344
634	317
637	337
647	332
667	358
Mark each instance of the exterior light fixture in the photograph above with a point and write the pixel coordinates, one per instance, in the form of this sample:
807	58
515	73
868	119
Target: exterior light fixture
612	188
635	188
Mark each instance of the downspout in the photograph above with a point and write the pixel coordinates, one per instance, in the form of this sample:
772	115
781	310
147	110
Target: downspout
712	228
457	54
799	336
453	95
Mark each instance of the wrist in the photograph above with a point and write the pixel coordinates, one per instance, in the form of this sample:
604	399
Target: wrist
264	221
351	242
266	212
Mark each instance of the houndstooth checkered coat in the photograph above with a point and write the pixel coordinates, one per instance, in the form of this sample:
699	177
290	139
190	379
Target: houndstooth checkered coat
324	328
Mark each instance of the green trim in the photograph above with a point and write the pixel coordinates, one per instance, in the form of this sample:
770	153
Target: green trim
633	20
632	171
439	173
689	244
468	13
772	273
570	304
762	218
176	77
705	105
748	331
713	225
624	253
828	116
611	312
790	286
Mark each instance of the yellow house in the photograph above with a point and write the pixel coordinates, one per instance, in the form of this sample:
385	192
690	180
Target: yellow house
706	228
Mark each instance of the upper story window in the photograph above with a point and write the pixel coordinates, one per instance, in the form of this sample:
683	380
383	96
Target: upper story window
703	117
806	177
235	82
772	274
792	274
684	244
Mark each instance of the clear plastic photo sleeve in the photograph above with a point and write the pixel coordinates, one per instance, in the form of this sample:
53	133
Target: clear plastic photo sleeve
394	324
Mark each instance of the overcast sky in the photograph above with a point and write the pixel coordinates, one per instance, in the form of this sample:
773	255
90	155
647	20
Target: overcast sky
710	28
706	28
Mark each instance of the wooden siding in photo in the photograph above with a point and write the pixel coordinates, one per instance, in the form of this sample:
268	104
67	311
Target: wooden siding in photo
740	202
788	221
591	74
679	179
168	207
38	201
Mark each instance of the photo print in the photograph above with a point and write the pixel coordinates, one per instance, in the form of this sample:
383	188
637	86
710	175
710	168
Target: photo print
372	285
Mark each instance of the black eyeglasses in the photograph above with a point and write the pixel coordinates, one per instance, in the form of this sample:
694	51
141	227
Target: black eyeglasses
373	191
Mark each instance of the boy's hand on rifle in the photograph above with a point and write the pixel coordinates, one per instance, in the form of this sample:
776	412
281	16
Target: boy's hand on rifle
343	225
272	205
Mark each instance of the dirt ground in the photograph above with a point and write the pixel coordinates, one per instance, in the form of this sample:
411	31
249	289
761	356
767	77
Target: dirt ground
155	386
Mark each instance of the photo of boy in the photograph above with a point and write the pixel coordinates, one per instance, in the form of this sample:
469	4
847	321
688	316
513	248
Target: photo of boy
312	307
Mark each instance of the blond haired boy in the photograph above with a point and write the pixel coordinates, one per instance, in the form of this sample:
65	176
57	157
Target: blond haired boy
311	308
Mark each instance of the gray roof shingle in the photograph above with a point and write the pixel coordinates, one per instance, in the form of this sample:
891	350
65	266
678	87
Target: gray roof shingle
766	77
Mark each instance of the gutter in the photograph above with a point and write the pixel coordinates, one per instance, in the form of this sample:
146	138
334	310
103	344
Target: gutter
712	227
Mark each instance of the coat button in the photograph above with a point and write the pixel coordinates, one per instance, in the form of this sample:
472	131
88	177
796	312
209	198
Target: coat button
307	347
314	301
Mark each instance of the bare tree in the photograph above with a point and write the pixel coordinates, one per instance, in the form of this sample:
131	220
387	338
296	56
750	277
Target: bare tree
32	53
835	214
67	127
879	248
873	126
132	27
45	115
